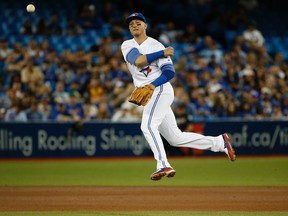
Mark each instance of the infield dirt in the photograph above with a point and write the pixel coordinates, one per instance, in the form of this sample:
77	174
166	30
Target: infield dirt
143	198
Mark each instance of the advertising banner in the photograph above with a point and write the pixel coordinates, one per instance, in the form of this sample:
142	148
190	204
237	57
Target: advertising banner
251	138
46	140
64	140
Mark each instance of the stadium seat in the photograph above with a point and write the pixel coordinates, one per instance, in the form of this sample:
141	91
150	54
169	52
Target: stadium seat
230	36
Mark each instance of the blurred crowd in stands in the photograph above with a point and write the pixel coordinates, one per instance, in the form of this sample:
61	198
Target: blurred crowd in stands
215	78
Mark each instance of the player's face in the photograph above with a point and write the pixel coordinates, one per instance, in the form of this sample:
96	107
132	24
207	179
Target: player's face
137	27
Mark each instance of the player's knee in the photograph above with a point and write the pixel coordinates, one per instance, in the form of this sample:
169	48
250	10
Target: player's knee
173	142
144	128
175	139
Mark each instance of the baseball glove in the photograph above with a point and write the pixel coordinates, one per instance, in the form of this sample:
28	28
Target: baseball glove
141	95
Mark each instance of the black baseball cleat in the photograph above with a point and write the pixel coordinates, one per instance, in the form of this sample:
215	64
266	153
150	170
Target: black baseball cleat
167	171
228	149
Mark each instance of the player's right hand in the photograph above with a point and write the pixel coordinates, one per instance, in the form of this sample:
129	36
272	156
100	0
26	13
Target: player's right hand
169	51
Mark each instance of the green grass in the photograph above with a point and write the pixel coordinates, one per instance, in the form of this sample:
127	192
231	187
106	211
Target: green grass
190	172
160	213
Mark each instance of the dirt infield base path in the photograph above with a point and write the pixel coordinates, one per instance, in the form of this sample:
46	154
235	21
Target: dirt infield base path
144	198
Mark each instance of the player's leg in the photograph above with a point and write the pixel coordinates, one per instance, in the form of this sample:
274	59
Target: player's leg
176	137
153	115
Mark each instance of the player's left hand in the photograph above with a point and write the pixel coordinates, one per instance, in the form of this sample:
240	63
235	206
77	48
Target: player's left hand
141	95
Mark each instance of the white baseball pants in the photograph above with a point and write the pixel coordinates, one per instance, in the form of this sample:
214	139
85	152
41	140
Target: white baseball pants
158	118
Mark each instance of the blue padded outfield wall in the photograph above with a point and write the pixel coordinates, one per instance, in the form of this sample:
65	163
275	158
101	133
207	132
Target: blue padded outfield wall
46	140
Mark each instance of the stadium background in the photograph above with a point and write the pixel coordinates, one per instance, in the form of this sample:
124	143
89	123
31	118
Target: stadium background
74	47
79	75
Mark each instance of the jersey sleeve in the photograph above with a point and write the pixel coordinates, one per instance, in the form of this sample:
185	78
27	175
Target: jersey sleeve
126	47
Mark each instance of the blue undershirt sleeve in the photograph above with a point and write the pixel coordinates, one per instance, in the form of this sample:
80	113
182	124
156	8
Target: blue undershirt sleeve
168	72
133	55
154	56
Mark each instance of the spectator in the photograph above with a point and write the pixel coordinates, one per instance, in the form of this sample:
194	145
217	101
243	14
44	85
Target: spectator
6	98
88	17
95	89
105	110
82	76
197	107
119	93
16	89
52	56
54	27
4	49
60	95
163	37
74	89
32	49
34	113
60	112
45	106
171	32
232	109
267	108
190	35
110	13
27	28
276	112
13	64
16	113
211	49
279	60
285	105
49	71
44	49
4	52
42	27
253	36
90	110
232	78
238	55
75	108
31	74
127	112
73	28
116	33
65	73
27	98
246	111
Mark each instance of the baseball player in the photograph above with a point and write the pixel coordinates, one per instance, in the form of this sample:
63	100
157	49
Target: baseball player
151	67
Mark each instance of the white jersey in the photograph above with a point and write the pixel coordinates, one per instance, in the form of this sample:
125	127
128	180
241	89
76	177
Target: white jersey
147	74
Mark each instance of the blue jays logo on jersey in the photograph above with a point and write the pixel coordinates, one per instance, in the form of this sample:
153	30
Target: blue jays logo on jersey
146	71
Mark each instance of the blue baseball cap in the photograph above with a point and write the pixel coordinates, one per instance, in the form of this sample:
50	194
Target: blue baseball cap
133	16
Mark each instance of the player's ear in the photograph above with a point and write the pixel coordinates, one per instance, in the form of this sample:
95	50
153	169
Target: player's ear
145	26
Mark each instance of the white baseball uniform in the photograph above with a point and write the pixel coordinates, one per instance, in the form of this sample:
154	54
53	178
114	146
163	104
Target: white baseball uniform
158	117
